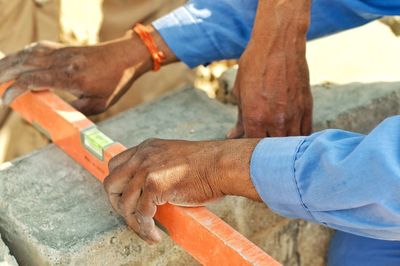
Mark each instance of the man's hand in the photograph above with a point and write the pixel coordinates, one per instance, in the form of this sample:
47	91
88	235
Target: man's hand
97	75
272	84
178	172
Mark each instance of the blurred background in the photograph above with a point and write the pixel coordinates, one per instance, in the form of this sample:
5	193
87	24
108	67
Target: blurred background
366	54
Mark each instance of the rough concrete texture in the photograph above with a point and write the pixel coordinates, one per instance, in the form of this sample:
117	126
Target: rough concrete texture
54	213
5	258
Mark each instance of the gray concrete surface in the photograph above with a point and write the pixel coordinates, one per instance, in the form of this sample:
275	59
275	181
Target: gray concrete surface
6	259
54	213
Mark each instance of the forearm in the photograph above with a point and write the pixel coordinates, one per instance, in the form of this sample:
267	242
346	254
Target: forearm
281	25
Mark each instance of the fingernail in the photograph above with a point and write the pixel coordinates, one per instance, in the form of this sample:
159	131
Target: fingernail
11	93
7	97
155	235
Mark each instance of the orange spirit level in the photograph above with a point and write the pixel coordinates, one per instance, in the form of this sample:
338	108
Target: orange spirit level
201	233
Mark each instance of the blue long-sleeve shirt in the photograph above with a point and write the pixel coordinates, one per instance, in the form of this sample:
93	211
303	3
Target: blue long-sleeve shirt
205	30
344	180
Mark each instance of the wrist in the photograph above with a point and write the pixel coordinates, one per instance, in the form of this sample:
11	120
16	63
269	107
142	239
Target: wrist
234	163
133	53
137	55
281	24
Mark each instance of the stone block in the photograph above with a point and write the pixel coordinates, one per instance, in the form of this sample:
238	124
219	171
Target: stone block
6	259
357	107
52	212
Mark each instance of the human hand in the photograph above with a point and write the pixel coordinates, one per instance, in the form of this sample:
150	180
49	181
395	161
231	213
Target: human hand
272	85
184	173
97	75
274	98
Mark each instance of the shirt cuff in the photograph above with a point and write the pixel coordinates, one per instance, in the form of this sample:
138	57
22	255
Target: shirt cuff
273	174
181	31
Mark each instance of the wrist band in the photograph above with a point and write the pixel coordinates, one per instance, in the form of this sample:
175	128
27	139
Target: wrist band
148	40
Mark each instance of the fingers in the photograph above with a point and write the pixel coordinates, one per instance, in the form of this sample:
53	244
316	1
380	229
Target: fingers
10	73
306	126
254	128
145	211
43	47
115	183
132	194
238	131
14	65
295	127
128	200
35	57
121	158
38	80
273	133
140	205
13	92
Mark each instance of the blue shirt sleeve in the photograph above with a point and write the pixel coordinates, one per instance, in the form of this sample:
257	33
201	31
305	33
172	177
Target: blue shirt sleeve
344	180
203	31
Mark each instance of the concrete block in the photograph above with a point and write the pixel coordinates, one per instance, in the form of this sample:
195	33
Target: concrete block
356	106
6	259
54	213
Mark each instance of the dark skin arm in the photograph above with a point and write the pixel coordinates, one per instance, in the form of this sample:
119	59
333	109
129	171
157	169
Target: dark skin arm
272	85
97	75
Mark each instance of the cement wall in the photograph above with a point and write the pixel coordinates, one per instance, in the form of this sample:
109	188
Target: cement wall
6	259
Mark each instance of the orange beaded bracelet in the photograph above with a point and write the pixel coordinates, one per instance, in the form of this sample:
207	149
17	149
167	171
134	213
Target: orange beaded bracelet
148	40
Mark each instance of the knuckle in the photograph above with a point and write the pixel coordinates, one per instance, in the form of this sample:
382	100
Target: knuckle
254	120
32	47
112	163
119	159
151	141
37	47
149	144
66	55
72	68
280	120
40	44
